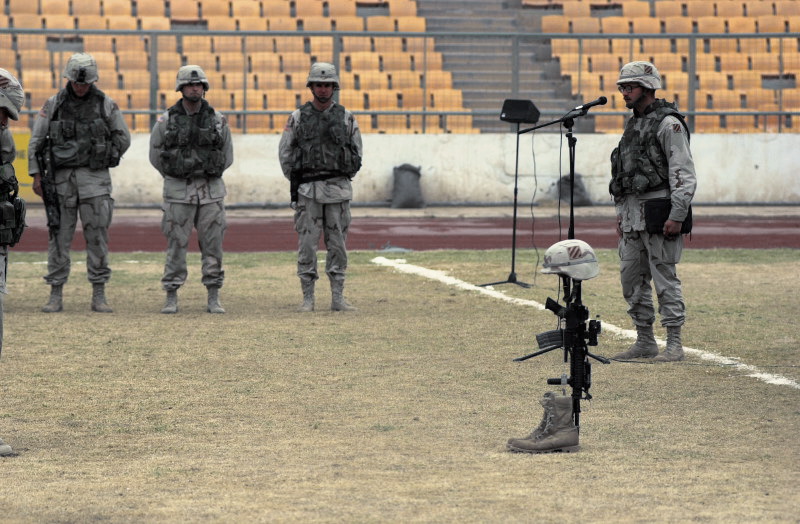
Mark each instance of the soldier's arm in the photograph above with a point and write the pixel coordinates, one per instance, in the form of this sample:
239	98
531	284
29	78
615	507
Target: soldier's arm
227	141
121	135
38	135
681	172
286	147
157	141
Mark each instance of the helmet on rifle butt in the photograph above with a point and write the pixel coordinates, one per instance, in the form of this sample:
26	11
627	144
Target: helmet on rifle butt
81	68
643	73
323	72
191	74
572	258
11	95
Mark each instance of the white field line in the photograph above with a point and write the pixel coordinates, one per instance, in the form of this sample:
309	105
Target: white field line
441	276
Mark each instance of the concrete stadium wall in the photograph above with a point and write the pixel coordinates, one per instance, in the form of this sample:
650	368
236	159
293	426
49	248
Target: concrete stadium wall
751	168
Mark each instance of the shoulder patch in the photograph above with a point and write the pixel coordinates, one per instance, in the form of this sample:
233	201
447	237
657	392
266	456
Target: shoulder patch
677	128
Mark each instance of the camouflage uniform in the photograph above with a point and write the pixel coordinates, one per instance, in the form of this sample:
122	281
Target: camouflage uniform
83	186
646	257
193	200
323	206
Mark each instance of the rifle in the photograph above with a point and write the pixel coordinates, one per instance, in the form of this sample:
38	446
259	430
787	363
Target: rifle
49	194
575	336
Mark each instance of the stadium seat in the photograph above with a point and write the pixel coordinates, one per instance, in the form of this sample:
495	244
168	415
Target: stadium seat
276	8
23	6
766	63
130	59
307	8
145	7
271	79
282	24
438	79
264	61
289	44
677	24
585	25
214	8
396	62
787	7
741	24
26	21
422	61
418	45
59	22
370	80
393	124
636	9
771	24
245	8
757	8
154	23
361	60
351	99
117	8
710	24
251	23
730	9
642	25
399	79
169	61
321	46
184	10
121	23
315	23
446	99
412	98
410	24
555	24
402	8
665	8
348	23
733	61
295	62
697	8
356	43
380	23
231	62
341	8
714	81
226	44
381	99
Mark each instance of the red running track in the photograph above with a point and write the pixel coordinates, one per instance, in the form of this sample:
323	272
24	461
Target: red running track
253	234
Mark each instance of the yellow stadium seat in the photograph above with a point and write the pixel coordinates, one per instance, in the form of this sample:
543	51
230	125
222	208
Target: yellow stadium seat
289	44
787	7
282	24
646	25
23	6
184	9
422	61
604	64
741	24
352	99
132	59
91	22
117	8
264	61
615	25
658	45
305	8
380	23
169	61
214	9
316	23
636	9
756	8
356	43
713	81
696	8
35	60
710	24
245	8
396	62
348	23
27	21
418	45
772	24
393	124
727	9
381	99
753	45
431	123
121	23
295	62
403	7
564	45
271	79
446	99
664	9
154	23
760	99
668	62
145	8
251	23
342	8
322	46
555	24
585	25
226	44
369	80
361	60
766	63
576	9
221	23
410	24
59	22
734	61
744	80
54	7
707	124
594	45
136	80
677	24
399	79
412	98
230	62
276	8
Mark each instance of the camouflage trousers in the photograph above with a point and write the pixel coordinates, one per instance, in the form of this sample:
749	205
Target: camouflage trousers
177	224
646	258
331	221
4	269
95	214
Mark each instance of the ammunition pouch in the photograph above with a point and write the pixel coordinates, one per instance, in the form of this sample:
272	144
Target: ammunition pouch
12	220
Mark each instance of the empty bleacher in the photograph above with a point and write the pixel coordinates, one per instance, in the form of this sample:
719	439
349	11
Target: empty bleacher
256	71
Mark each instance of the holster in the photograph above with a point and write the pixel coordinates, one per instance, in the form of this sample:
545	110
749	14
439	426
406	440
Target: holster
656	214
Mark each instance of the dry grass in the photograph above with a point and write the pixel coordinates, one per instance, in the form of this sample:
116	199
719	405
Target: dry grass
398	412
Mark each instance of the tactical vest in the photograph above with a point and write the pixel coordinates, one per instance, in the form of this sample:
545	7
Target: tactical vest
324	144
79	132
193	146
638	164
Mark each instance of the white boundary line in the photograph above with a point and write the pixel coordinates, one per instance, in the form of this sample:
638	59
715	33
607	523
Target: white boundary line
441	276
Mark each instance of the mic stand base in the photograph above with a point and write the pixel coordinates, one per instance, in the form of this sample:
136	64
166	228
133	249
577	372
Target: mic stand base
512	279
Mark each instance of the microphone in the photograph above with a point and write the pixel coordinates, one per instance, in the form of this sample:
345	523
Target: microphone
599	102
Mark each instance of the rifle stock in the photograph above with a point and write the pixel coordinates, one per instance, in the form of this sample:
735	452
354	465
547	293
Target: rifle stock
49	195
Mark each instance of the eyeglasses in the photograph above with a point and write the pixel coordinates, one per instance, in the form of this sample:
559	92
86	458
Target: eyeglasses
628	88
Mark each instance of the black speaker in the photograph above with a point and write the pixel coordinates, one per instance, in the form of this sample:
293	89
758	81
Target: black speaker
519	111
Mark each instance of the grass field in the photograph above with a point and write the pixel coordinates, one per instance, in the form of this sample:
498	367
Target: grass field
398	412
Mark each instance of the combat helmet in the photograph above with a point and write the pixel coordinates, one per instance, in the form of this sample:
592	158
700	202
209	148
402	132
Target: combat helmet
642	73
11	96
191	74
323	72
572	258
81	68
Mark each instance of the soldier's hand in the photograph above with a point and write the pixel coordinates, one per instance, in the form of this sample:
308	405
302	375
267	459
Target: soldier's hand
37	184
672	229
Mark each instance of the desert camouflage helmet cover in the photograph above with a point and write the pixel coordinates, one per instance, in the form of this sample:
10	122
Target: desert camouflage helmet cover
11	96
573	258
323	72
191	74
81	68
642	73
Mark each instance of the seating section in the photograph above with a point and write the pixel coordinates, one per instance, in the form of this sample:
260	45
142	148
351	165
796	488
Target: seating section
261	70
747	56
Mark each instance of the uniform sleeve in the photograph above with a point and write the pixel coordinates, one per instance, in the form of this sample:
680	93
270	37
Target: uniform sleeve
157	142
227	141
681	175
8	150
120	133
38	136
355	133
287	144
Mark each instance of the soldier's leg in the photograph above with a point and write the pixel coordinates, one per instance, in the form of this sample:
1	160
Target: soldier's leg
58	246
176	224
664	255
337	224
96	214
308	222
4	269
211	225
635	278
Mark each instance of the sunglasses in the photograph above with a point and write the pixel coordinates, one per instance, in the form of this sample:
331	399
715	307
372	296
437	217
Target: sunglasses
628	88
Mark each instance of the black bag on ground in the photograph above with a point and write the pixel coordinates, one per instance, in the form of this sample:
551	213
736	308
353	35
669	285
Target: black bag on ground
656	213
407	192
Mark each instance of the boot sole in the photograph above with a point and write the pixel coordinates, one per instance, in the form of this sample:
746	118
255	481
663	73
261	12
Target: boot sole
566	449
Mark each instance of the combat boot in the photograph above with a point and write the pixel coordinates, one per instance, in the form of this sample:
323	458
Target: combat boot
213	300
644	347
556	431
338	302
674	349
55	304
171	305
308	296
5	449
99	303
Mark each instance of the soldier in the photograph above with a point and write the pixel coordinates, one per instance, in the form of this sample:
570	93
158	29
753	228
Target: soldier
652	170
83	133
191	147
11	100
320	152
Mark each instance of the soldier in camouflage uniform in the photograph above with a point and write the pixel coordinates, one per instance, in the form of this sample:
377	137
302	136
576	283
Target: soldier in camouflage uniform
191	147
87	136
320	152
11	100
652	161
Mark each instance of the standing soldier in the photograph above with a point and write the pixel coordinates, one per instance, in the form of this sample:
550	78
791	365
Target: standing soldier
320	152
11	99
81	132
191	147
652	175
